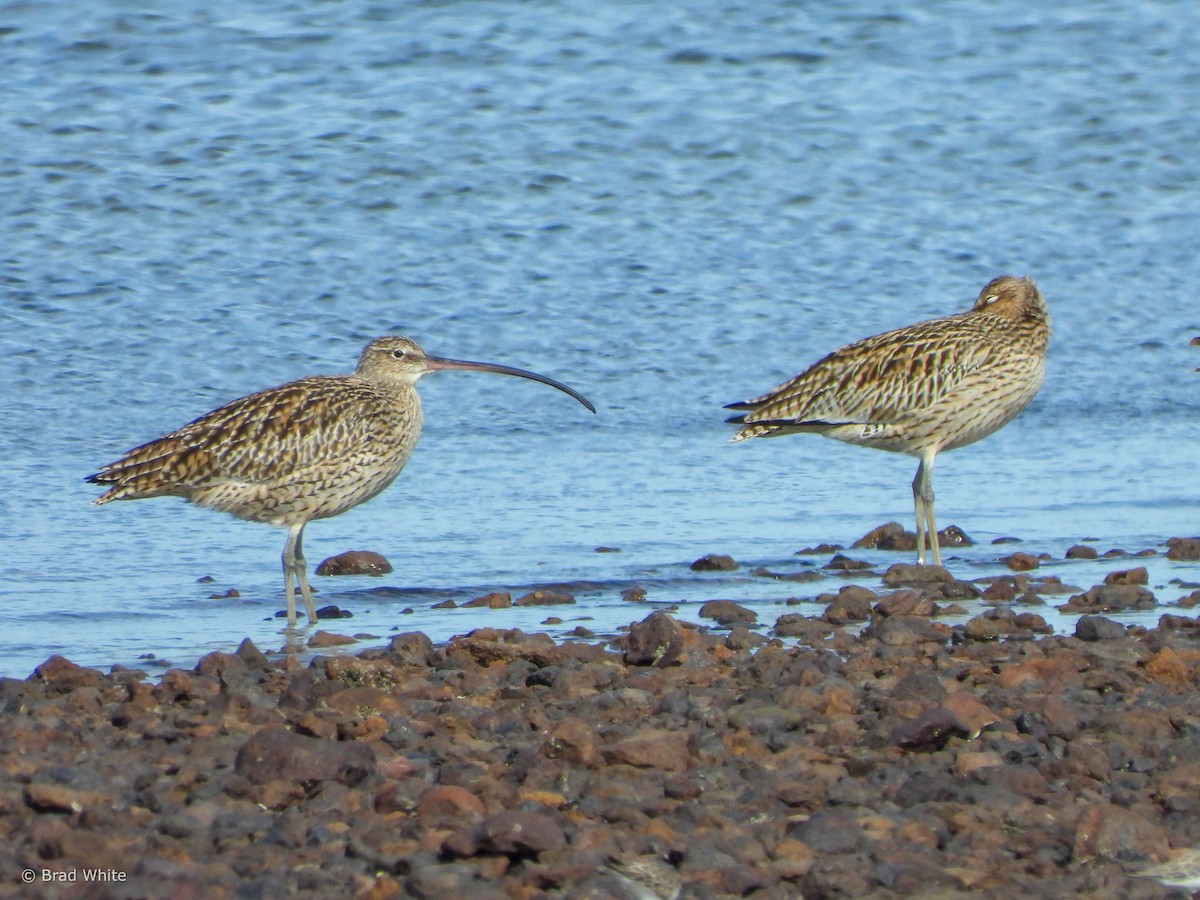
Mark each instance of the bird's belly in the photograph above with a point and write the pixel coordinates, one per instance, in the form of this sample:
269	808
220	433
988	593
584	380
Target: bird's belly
944	426
313	493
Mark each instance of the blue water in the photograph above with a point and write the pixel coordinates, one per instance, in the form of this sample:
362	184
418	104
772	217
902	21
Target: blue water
669	207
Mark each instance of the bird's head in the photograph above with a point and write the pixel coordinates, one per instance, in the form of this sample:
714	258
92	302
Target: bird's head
396	359
1012	297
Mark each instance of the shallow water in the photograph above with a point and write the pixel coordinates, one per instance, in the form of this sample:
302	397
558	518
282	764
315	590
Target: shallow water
670	209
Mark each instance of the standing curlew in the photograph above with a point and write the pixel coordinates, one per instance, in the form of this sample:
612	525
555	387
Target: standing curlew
308	449
932	386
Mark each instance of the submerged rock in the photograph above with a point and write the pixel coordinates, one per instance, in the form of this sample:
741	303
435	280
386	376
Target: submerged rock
355	562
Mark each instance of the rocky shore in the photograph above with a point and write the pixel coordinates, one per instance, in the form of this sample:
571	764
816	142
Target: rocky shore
872	751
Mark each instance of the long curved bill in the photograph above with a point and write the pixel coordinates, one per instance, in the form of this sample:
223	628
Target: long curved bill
440	362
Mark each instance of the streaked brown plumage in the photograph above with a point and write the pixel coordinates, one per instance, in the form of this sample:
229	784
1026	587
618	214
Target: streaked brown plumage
308	449
932	386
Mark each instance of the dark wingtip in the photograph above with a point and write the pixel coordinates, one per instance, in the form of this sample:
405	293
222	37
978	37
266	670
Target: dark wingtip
736	420
741	404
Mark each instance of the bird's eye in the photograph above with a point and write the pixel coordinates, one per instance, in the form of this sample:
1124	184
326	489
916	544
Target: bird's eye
990	299
399	353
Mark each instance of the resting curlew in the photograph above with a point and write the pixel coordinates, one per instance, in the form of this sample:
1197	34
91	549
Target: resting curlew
309	449
932	386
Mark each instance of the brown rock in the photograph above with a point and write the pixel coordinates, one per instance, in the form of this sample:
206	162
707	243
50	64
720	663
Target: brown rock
363	701
1106	831
904	603
851	604
544	598
889	536
927	732
657	640
1183	549
906	574
906	631
573	741
494	600
829	832
1020	778
328	639
61	798
355	562
1020	561
841	563
714	562
411	647
989	627
521	834
1167	667
61	675
820	550
1001	590
1082	551
726	612
969	761
1098	628
275	753
514	833
449	801
972	714
251	655
953	536
1111	598
651	748
1128	576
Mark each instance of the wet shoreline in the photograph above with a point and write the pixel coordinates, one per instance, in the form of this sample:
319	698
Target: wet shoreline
871	750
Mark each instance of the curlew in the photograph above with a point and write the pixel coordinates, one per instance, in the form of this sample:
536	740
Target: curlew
308	449
932	386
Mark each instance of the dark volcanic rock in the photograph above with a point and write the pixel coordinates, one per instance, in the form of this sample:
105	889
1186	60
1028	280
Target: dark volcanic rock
953	536
60	674
515	833
851	604
1182	549
906	631
1110	598
907	575
727	612
657	640
544	598
927	732
272	754
355	562
494	600
892	536
911	760
1098	628
714	562
841	563
1020	561
889	536
1128	576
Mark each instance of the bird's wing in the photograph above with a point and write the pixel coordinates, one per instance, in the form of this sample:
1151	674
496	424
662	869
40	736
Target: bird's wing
877	380
250	440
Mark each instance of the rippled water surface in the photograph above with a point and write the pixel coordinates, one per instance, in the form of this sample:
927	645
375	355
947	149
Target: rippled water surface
669	207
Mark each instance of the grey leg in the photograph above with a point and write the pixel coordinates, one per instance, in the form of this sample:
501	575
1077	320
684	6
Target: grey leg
302	576
289	569
923	503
